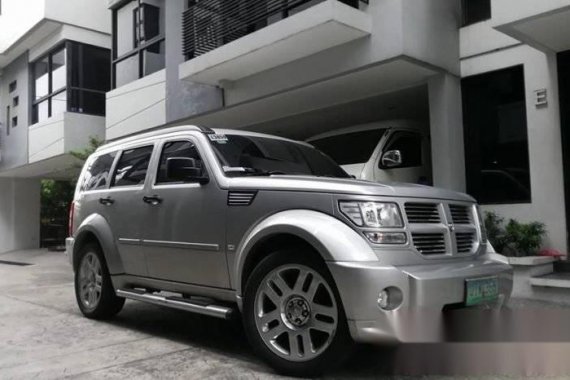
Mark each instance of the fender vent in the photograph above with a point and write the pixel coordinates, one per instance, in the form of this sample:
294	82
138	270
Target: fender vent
241	198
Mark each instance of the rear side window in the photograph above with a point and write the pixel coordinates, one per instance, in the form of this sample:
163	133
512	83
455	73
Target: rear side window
410	146
97	174
132	167
350	148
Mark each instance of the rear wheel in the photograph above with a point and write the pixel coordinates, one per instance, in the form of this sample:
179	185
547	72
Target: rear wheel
93	288
293	314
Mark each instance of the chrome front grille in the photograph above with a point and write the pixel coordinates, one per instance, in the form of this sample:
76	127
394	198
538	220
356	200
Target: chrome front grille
460	214
422	213
442	229
465	241
429	243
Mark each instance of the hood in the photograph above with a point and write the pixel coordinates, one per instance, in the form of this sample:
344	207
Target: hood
345	186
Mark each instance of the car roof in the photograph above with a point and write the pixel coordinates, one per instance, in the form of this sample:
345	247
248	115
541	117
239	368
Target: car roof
164	132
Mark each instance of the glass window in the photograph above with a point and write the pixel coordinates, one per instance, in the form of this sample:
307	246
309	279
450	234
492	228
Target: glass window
97	173
251	155
350	148
59	104
132	167
41	78
496	141
476	11
138	40
176	149
410	146
59	71
41	111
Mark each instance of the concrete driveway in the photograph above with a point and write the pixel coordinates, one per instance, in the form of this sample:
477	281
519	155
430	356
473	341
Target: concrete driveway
43	335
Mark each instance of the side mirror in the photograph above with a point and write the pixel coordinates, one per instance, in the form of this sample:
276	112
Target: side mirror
180	169
391	159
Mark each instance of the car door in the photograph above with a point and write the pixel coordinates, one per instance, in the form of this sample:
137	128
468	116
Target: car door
184	235
123	208
409	146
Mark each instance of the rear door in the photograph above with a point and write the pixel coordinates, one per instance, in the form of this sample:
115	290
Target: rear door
185	227
125	208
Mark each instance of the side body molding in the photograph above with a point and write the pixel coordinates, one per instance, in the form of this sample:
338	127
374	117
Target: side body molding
98	226
334	240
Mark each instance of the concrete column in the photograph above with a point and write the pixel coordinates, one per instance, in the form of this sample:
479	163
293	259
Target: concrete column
19	214
446	119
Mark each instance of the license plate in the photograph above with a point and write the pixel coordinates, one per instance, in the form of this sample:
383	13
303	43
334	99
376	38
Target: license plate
481	290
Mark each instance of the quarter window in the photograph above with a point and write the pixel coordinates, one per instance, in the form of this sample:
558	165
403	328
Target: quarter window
496	141
138	40
133	167
176	149
97	173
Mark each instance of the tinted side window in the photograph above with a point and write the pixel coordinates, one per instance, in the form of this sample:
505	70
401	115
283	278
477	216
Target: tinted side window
350	148
97	173
176	149
132	167
410	146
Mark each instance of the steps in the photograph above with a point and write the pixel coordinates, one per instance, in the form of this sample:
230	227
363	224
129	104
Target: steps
201	306
553	280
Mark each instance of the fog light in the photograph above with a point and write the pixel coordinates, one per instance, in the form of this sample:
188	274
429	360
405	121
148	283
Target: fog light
398	238
390	298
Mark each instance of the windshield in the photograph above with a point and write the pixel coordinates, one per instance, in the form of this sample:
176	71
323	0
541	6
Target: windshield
252	155
350	148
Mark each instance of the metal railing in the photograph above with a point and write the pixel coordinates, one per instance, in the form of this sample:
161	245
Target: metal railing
209	24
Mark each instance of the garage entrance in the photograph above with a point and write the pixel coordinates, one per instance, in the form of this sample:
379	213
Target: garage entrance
384	138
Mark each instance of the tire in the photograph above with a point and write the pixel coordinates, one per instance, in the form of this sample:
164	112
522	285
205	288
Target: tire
288	330
94	291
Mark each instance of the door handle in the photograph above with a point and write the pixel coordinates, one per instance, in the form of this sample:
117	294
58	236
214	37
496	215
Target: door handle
154	200
106	201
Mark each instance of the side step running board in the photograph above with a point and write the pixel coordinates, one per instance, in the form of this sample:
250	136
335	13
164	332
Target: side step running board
179	303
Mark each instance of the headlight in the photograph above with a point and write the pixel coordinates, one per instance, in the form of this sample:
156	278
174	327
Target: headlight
372	214
481	225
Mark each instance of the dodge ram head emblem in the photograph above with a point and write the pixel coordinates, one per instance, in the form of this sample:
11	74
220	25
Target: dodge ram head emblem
451	227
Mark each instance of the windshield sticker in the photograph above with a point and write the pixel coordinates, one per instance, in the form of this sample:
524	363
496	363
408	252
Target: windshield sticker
220	139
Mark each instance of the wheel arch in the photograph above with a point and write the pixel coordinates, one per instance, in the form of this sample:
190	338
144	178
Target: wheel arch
96	229
324	235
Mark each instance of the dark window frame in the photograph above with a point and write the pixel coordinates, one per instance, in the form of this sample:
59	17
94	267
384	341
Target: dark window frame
158	180
139	48
13	86
477	169
69	87
465	19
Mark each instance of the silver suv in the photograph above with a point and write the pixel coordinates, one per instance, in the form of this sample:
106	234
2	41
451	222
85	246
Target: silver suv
227	223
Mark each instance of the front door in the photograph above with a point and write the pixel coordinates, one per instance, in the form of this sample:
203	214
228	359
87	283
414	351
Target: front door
184	236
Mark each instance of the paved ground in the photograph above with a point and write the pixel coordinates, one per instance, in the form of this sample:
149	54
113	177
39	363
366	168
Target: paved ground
43	335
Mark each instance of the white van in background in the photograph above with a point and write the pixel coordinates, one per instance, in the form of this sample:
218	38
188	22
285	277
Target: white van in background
386	151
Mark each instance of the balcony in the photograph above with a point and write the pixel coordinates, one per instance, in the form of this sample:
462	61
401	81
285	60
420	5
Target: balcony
62	133
225	43
541	24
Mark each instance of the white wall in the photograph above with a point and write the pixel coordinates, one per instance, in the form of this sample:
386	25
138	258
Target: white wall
88	14
18	17
137	106
544	138
507	11
19	214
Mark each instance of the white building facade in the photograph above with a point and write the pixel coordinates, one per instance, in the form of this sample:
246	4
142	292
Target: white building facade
489	79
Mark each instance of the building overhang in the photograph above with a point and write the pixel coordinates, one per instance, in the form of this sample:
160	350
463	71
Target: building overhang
33	37
545	25
321	27
386	77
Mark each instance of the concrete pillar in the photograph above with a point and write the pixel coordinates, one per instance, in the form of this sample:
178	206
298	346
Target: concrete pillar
19	214
446	120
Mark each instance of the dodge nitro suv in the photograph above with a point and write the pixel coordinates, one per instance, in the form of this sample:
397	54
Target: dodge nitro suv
230	223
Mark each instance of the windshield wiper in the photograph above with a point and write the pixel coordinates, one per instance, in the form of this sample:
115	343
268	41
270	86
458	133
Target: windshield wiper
251	171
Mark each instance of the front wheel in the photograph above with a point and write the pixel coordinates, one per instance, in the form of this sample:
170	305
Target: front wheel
293	315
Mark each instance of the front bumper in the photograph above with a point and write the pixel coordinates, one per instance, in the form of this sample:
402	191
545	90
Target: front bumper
69	243
426	289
